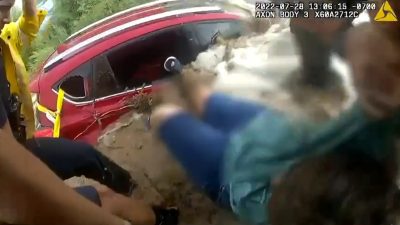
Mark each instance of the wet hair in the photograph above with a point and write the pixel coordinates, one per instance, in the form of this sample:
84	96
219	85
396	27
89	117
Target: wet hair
336	189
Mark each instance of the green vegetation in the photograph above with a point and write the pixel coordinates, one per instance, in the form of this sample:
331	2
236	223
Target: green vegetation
69	16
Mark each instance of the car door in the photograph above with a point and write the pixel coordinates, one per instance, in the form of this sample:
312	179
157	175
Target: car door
77	109
127	70
111	99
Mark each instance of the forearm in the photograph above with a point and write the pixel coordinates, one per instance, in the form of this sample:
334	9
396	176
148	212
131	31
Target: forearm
29	8
31	194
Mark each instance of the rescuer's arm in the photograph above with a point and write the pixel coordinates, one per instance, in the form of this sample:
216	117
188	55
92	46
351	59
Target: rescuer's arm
30	21
33	195
29	8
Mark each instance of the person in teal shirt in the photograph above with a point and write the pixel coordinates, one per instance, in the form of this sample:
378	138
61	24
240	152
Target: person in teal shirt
242	149
237	150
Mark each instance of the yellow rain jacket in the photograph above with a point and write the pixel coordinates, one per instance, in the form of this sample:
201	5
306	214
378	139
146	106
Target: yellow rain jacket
16	36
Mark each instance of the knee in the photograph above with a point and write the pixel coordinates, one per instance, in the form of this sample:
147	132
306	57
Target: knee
164	112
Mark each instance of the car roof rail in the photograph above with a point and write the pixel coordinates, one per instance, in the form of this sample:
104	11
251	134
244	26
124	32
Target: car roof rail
115	15
92	40
172	4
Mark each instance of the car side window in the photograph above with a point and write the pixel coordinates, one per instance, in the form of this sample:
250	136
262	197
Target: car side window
137	63
75	83
228	29
105	83
74	86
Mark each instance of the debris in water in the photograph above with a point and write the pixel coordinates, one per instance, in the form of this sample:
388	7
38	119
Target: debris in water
263	68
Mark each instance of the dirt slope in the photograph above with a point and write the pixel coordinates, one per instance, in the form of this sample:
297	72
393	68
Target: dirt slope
160	178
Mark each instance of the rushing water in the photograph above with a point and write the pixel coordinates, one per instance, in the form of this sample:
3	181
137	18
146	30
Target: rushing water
262	67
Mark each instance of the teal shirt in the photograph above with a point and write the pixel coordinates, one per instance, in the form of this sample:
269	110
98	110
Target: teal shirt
271	143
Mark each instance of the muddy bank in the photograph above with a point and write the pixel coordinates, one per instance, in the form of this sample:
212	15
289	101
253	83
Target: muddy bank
161	180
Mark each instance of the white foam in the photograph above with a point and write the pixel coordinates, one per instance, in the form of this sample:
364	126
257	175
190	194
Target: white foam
257	66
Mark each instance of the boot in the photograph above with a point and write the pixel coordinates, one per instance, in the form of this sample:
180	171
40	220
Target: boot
117	178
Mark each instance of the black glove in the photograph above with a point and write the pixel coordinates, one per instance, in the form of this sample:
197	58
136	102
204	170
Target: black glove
116	177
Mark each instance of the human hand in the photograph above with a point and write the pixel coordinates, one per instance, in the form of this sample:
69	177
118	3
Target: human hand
135	211
110	200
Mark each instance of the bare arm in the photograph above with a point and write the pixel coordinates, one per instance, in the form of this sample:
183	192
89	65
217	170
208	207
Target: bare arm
29	22
31	194
29	8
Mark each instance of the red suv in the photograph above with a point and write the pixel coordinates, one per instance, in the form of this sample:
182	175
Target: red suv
114	59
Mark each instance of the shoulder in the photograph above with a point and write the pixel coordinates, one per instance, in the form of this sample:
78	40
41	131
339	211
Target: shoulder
10	31
10	27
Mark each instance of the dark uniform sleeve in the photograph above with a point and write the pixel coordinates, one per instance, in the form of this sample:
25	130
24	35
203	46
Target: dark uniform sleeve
3	114
4	94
